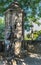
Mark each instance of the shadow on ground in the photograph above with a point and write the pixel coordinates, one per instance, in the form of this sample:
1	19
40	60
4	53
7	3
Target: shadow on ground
30	59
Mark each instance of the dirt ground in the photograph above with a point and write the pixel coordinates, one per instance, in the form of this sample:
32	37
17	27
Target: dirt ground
31	59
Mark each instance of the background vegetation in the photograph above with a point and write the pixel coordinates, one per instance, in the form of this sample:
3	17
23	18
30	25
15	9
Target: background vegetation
2	28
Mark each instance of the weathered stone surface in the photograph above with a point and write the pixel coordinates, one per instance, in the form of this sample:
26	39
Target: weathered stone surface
36	48
17	48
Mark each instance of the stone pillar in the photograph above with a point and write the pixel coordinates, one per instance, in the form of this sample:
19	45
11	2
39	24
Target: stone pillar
18	34
17	48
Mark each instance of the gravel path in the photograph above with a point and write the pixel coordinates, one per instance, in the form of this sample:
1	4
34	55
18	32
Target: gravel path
31	59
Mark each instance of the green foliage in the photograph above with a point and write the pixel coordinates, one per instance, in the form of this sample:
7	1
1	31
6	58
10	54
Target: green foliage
36	34
33	4
2	27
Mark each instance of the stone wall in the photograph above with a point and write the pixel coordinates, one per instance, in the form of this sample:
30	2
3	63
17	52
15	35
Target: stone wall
33	47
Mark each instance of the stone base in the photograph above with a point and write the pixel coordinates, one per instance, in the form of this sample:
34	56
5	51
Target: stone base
34	48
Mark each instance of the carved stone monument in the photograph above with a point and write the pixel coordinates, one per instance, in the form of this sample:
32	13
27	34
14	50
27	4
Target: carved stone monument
14	30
